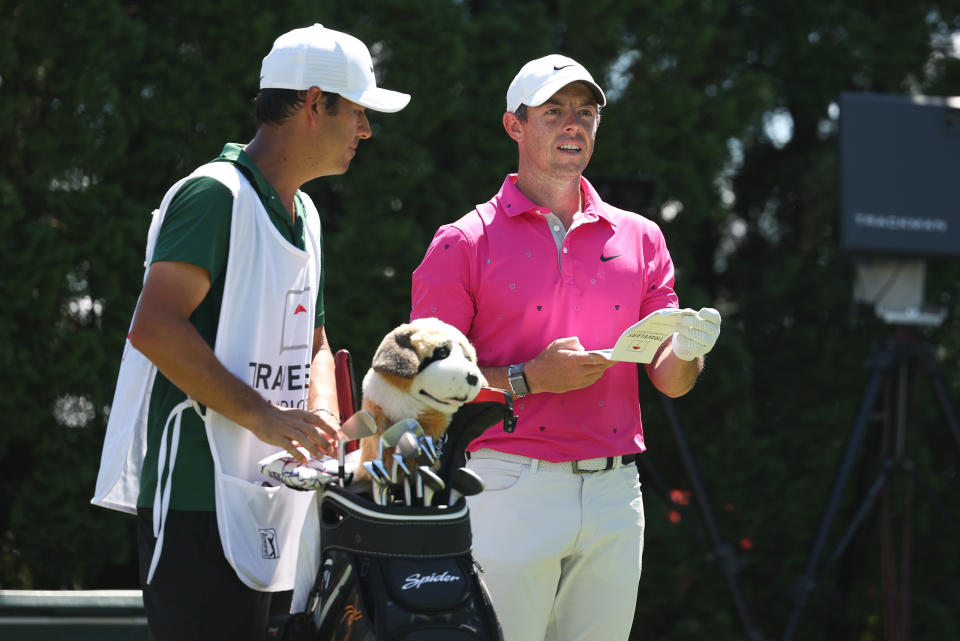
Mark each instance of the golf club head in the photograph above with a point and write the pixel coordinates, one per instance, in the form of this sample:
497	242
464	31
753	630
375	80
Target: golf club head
358	426
381	471
386	486
399	467
406	448
374	482
392	434
465	482
388	439
410	449
430	483
430	449
380	480
371	470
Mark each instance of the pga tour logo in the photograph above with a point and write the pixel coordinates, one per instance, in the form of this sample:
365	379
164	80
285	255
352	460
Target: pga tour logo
268	544
414	581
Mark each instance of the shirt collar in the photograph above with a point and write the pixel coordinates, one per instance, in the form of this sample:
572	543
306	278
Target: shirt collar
234	153
593	205
513	202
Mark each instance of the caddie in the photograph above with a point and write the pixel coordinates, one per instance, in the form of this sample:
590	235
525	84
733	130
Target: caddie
227	359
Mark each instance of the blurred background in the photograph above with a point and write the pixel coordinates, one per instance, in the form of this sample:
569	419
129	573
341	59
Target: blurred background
723	126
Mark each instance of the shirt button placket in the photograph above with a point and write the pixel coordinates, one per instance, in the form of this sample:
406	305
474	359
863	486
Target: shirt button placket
566	275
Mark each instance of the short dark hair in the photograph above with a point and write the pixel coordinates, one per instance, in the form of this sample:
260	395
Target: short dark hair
276	105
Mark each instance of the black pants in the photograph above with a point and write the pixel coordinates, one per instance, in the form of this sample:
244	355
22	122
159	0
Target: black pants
195	594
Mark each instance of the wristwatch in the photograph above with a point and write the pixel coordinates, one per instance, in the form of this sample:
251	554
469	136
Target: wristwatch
518	382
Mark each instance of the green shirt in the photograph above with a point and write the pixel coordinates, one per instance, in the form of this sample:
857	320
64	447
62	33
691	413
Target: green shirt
196	230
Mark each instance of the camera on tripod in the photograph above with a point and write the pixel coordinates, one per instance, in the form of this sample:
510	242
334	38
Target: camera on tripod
899	187
899	195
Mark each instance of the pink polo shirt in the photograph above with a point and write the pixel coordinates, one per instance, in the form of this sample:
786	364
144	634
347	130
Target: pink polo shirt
496	275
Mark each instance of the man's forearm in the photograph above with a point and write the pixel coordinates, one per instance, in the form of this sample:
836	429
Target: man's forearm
322	394
496	376
674	377
185	358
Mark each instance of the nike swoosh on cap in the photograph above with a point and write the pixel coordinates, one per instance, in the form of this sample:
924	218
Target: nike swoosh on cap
556	68
606	258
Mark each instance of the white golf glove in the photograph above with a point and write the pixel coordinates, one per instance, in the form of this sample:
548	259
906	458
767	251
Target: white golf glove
697	334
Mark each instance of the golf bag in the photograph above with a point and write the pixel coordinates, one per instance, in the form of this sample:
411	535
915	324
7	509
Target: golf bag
401	573
397	573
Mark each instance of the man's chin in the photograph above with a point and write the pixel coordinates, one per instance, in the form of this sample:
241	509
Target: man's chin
569	169
333	171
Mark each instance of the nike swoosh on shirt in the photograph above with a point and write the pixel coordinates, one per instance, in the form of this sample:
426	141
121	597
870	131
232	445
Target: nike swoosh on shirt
606	258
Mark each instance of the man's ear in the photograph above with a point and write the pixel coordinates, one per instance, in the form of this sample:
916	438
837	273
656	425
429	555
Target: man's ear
513	125
313	103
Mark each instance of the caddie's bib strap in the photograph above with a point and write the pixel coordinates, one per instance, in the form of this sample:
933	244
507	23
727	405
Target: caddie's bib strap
161	499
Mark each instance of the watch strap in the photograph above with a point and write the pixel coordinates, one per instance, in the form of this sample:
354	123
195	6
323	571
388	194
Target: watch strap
517	380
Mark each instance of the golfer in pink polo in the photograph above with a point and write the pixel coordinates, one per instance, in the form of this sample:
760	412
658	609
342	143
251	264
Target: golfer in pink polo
535	277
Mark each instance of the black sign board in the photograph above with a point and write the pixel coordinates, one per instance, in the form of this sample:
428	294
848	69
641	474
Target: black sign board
899	174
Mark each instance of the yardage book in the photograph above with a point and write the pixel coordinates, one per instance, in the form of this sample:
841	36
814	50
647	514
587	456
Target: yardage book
639	342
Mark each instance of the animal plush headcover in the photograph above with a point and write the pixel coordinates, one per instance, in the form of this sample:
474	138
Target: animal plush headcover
425	369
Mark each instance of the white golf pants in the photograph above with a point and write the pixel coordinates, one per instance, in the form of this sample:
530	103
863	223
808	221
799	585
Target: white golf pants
560	551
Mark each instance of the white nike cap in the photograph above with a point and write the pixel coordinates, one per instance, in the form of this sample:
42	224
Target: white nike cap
331	60
541	78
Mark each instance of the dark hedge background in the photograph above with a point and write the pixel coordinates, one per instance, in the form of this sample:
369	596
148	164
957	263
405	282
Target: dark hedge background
103	104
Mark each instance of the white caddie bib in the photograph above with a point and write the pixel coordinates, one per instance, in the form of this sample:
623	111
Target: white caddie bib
265	338
125	441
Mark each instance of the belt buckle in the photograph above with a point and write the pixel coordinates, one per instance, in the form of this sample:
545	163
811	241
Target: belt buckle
577	470
608	466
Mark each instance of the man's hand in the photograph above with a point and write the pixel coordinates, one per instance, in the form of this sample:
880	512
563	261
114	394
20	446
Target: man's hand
301	433
697	335
564	366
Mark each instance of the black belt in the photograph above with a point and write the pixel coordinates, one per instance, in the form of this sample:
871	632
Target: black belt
612	462
586	466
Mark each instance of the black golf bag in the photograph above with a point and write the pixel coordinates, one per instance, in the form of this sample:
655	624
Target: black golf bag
397	573
405	573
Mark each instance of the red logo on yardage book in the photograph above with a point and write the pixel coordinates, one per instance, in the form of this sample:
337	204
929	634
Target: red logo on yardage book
300	308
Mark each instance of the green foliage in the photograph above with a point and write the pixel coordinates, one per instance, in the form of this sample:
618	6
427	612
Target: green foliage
103	107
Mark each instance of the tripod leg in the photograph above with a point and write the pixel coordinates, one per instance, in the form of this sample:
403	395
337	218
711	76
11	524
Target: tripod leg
722	550
663	489
888	573
862	511
938	505
807	581
905	568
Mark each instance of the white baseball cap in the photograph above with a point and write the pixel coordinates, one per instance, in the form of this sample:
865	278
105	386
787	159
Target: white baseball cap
331	60
541	78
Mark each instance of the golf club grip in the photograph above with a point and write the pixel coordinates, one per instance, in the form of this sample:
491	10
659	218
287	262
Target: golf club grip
344	373
348	403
